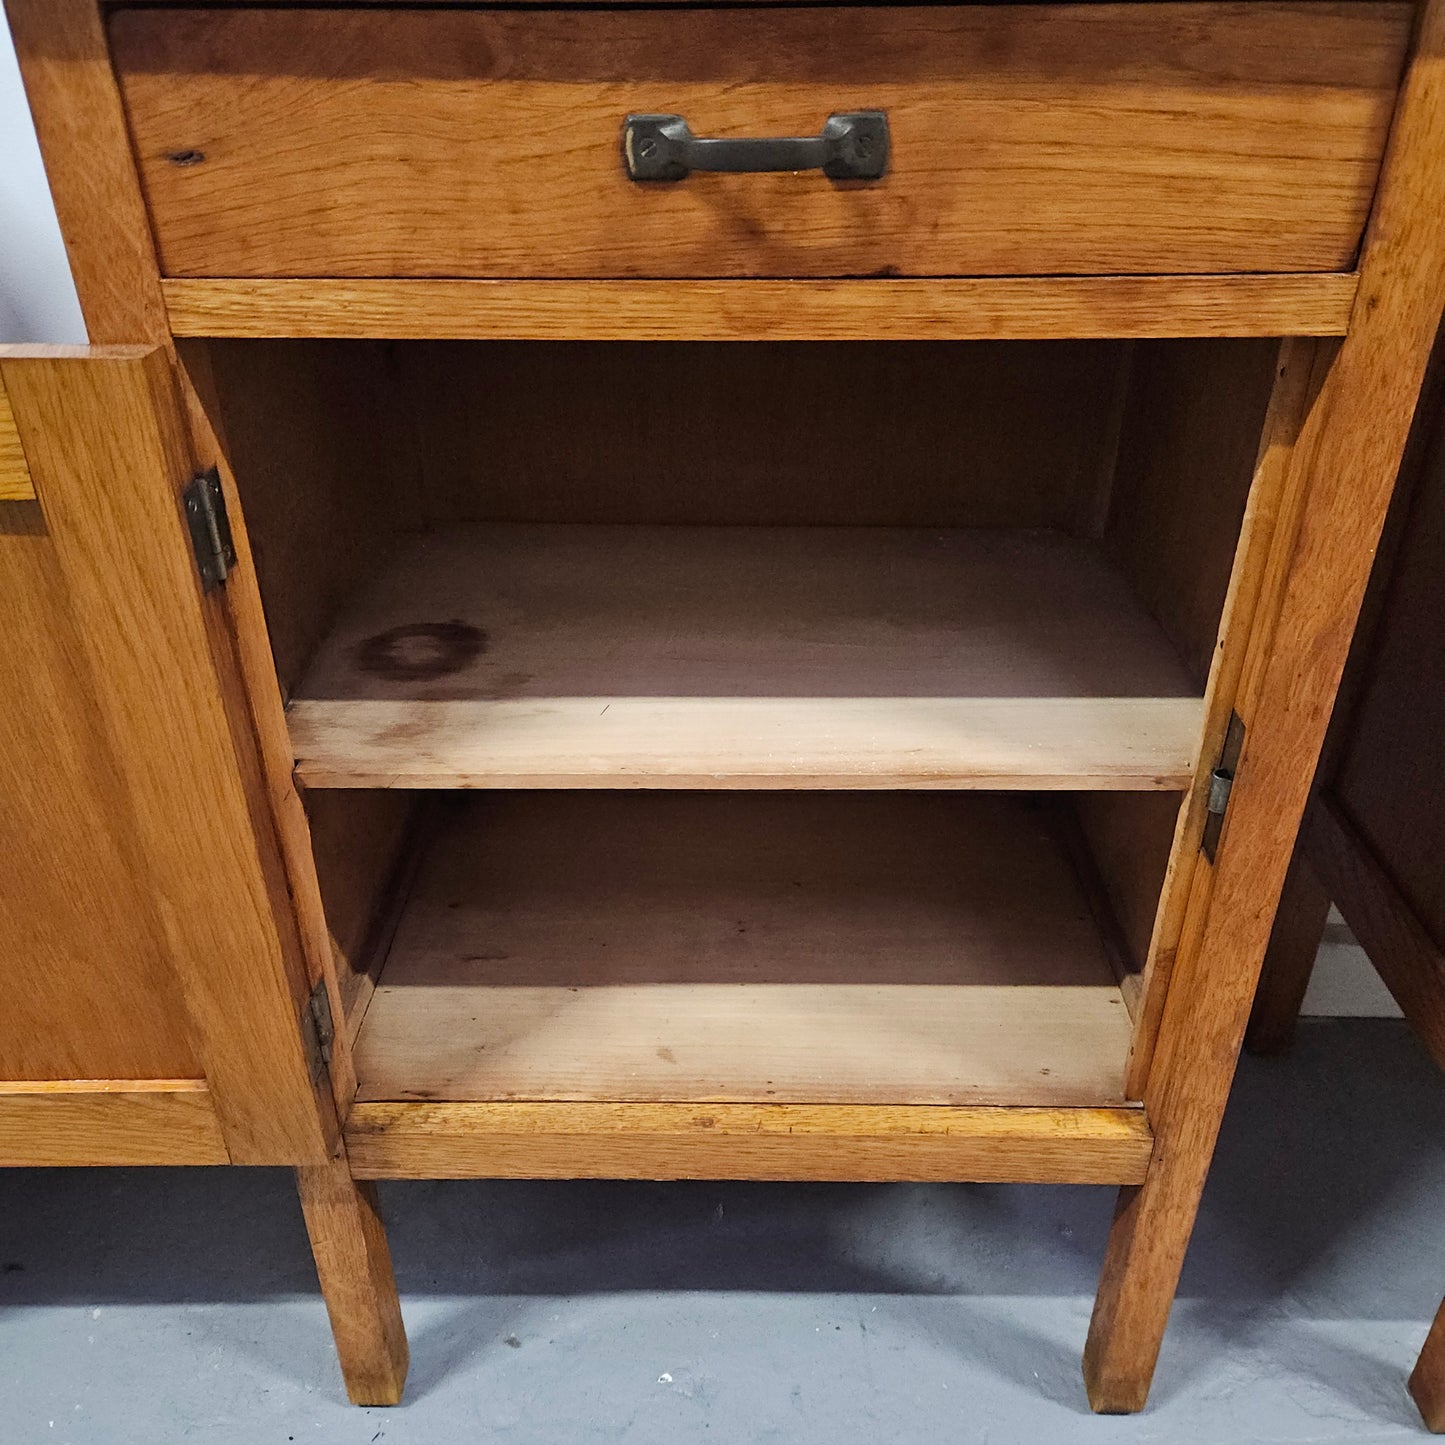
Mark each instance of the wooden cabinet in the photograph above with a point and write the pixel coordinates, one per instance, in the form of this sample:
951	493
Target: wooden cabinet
1372	833
738	676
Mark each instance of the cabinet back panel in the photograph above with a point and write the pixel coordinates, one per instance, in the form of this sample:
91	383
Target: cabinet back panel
893	434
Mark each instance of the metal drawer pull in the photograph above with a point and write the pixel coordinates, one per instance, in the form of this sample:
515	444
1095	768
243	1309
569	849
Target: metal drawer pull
853	146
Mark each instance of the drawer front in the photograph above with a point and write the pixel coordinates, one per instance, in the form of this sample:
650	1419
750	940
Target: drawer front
1071	139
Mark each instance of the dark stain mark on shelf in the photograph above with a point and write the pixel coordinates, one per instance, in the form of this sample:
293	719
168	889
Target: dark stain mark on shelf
421	651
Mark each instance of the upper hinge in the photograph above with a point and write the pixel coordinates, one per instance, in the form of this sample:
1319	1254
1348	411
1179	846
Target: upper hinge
1221	786
210	529
318	1030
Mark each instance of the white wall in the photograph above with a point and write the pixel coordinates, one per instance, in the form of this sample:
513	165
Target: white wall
37	297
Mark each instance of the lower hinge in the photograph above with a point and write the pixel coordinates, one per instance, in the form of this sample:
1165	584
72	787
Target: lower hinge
1221	786
318	1031
210	529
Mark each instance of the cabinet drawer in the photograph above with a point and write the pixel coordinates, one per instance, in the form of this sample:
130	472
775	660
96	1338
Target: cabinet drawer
1072	139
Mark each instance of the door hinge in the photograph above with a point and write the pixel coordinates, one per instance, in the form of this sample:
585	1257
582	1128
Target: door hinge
1221	786
318	1030
210	529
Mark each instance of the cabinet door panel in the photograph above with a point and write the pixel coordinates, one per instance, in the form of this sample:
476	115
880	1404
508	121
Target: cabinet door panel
87	987
144	927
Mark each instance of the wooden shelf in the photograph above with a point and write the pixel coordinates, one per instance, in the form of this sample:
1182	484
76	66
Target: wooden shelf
735	657
811	948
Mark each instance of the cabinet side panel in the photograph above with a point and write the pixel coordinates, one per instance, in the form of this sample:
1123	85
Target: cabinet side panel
317	436
1186	457
1129	837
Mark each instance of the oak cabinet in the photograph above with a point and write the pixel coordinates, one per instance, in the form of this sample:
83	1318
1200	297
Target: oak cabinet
544	673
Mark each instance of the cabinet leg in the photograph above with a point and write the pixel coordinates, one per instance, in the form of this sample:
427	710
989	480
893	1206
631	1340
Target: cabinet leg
1150	1233
1299	924
1427	1384
1188	1088
353	1262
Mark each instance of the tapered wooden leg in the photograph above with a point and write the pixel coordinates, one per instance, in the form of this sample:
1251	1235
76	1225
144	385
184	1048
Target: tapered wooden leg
353	1262
1427	1384
1299	925
1152	1224
1189	1081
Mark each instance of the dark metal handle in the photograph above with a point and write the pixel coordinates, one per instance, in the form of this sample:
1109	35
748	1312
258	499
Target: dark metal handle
853	146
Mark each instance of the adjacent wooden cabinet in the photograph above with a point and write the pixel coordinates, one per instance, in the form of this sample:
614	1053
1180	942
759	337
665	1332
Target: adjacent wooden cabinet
1372	833
517	671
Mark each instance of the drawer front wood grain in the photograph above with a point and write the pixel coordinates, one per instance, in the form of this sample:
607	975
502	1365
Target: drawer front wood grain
1068	139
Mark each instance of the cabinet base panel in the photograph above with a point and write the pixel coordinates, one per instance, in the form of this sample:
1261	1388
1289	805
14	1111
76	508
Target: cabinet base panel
46	1123
748	1141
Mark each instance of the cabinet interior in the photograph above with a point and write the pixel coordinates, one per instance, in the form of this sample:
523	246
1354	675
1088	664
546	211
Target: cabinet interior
777	722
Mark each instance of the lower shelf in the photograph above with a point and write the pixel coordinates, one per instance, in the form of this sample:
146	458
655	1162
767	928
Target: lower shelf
889	949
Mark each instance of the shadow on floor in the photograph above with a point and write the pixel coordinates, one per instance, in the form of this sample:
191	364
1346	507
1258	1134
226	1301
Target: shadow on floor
1343	1138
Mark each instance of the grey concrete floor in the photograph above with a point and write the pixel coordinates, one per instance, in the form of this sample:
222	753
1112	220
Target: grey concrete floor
166	1305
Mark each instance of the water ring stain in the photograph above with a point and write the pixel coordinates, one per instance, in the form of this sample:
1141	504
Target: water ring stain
421	651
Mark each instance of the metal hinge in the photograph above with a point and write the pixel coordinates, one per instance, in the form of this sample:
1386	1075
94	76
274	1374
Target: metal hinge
210	528
318	1030
1221	786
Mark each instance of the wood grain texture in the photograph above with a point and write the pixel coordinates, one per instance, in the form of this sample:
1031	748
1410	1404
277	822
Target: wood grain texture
111	1121
353	1262
15	483
912	434
1265	543
1294	941
1190	508
747	1141
1349	452
1403	951
854	743
89	984
257	721
756	948
1427	1382
1189	138
981	309
109	450
65	64
723	657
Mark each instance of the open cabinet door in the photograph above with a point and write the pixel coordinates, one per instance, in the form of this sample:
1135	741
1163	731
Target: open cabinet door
153	997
